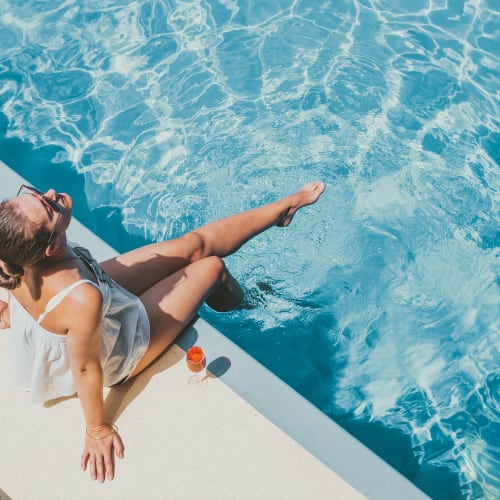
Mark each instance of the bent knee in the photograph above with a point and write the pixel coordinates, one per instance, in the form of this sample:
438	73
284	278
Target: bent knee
215	264
195	246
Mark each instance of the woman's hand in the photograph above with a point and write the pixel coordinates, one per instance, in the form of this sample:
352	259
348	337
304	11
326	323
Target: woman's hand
102	443
4	315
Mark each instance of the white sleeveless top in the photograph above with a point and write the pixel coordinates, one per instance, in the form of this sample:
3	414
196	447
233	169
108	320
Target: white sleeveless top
39	358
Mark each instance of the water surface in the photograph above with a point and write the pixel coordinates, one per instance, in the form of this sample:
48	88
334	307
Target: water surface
381	303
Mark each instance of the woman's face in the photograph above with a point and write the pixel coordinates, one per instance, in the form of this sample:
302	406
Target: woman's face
40	211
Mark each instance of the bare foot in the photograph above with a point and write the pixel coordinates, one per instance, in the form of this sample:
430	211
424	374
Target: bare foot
307	195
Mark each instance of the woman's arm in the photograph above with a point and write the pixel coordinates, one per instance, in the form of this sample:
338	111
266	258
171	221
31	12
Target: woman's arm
83	343
4	314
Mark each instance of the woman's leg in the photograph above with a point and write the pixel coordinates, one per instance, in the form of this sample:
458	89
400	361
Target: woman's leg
140	269
174	301
196	272
225	236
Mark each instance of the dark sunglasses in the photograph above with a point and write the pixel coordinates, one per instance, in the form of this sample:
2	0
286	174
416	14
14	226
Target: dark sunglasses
51	204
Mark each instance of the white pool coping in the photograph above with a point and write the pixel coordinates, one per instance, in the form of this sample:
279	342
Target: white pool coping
249	435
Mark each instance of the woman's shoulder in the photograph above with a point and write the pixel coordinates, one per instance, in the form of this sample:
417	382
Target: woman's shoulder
59	287
83	304
83	313
82	292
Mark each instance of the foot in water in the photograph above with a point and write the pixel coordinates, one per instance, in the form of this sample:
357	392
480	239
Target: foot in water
257	296
307	195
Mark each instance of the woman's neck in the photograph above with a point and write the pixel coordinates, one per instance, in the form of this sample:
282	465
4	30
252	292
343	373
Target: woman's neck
58	251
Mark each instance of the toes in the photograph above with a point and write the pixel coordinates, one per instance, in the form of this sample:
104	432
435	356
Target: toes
314	189
318	186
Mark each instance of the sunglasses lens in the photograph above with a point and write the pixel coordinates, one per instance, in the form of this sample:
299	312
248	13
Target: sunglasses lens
31	190
52	204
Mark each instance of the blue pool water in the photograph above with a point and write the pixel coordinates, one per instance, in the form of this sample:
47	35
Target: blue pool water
381	303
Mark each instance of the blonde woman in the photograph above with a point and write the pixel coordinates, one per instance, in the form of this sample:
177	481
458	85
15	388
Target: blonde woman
78	326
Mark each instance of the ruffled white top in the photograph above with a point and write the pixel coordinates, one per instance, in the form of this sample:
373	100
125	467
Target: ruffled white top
40	360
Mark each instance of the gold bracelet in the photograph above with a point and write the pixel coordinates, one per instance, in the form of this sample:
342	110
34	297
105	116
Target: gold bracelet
114	429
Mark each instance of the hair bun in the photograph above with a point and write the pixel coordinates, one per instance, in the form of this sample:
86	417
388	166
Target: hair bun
10	275
13	270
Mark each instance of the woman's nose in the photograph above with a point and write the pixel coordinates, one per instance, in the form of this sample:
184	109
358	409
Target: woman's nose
51	194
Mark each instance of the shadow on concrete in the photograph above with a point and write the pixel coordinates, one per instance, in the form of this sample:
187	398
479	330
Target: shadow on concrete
121	395
218	367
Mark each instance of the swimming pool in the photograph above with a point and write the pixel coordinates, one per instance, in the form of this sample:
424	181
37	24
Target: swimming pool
380	304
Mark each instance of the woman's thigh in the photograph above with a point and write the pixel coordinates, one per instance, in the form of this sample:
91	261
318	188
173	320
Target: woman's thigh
139	269
173	302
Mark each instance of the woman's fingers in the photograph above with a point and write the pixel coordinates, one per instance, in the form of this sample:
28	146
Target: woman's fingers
4	319
85	459
100	468
118	445
92	469
110	467
98	456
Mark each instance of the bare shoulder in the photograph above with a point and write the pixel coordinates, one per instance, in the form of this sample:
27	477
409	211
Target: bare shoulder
86	296
83	303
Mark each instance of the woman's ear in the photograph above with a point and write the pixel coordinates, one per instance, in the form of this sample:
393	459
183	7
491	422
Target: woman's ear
53	246
51	249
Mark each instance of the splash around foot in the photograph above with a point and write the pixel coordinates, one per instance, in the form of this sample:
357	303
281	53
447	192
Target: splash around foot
307	195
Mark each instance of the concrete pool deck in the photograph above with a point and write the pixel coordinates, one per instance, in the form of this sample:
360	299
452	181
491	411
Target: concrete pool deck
247	436
179	445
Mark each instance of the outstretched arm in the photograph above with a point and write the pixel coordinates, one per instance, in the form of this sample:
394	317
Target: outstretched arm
83	343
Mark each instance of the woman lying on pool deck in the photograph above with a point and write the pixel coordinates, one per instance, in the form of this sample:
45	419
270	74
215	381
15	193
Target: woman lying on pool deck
78	326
